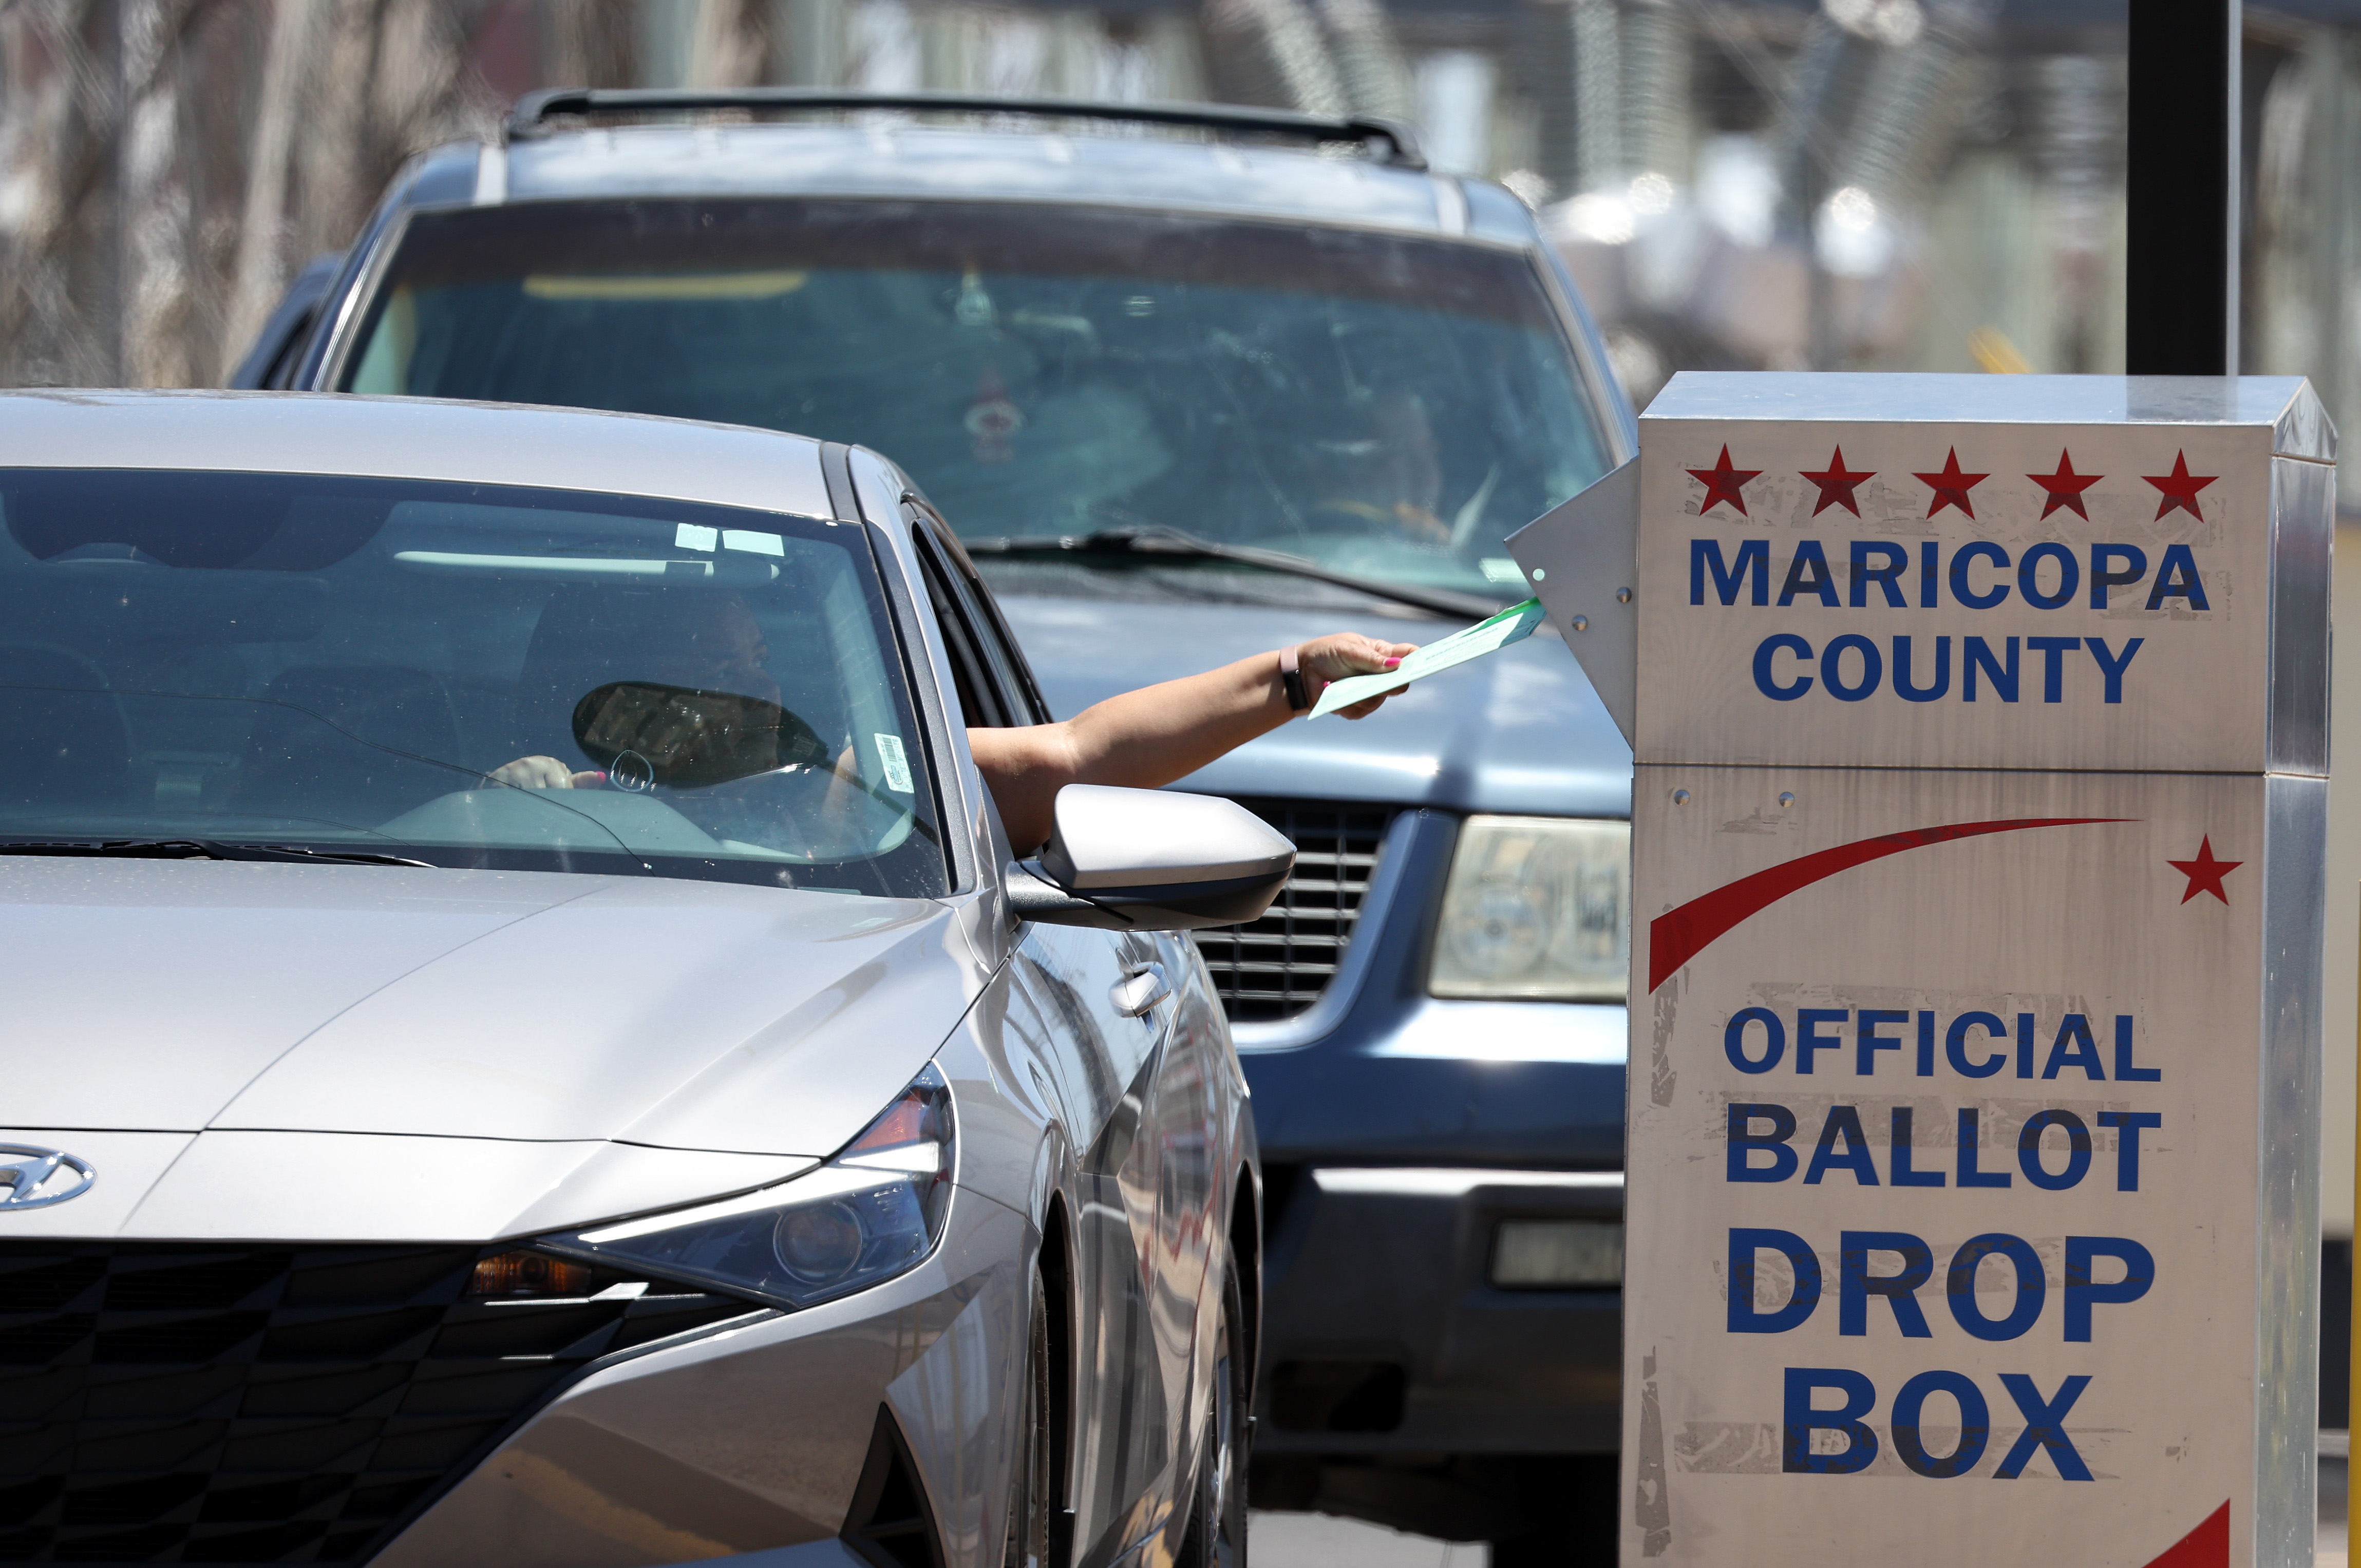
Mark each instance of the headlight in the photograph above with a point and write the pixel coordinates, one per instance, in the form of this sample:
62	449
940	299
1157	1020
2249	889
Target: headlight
871	1212
1537	908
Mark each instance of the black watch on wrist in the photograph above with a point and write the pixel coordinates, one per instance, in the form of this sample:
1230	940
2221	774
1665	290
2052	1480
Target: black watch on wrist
1292	677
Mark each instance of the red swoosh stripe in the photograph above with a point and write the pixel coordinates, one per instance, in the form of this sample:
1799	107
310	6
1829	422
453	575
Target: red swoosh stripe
1679	934
2207	1546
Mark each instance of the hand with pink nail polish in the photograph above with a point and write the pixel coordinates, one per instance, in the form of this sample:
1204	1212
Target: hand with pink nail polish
1344	653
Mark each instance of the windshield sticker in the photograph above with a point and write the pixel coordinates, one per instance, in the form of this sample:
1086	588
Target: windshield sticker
767	285
689	536
897	763
753	543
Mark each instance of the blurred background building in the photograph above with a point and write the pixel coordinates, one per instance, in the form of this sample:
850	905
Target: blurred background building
1870	183
1876	184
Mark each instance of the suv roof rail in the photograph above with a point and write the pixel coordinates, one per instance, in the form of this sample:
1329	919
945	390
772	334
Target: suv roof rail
1390	141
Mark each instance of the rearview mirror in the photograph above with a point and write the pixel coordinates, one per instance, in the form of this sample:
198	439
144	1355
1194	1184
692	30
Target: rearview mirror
1148	859
645	733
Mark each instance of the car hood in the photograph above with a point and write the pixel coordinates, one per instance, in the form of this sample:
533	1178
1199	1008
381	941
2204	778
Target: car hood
531	1007
1520	732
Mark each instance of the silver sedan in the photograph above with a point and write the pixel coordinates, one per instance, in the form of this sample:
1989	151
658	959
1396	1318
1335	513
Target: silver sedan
527	1043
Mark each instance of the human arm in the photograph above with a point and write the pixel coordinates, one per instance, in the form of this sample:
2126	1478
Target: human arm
544	772
1148	737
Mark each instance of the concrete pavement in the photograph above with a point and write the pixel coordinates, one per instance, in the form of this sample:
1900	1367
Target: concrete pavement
1317	1540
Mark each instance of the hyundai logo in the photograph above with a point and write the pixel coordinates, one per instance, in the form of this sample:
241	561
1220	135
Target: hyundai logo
32	1178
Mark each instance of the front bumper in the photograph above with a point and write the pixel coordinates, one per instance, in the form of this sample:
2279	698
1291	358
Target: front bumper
753	1437
1383	1333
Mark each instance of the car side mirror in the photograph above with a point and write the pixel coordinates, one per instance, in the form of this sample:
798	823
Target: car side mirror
1149	860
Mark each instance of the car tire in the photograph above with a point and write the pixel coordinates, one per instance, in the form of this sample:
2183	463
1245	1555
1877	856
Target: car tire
1032	1493
1218	1512
1568	1502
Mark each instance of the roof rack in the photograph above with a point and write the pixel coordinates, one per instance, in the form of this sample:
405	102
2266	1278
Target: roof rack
1390	141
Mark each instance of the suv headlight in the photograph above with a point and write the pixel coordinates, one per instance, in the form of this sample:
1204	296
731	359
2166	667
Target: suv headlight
871	1212
1537	908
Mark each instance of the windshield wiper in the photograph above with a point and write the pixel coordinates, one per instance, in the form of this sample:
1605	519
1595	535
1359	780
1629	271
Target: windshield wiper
1173	544
200	849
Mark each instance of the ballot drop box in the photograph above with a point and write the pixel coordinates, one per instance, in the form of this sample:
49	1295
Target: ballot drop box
1979	813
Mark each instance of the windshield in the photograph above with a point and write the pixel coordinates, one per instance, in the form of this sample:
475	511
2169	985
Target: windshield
1385	406
464	675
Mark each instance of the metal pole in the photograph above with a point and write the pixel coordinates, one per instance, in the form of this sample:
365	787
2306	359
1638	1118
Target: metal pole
2180	301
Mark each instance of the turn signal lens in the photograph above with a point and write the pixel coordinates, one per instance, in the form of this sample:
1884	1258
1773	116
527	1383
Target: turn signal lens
526	1275
1536	909
873	1212
920	1118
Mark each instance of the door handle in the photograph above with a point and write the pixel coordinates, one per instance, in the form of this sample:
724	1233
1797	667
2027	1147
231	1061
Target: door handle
1138	992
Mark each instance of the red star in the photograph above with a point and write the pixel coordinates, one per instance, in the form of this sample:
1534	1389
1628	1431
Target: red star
1950	485
1836	483
2179	486
2065	486
1721	482
2205	872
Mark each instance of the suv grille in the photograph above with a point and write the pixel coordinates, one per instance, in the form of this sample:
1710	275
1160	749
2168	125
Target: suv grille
1277	966
257	1404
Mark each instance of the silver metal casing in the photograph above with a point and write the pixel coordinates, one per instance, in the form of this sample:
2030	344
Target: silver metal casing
1976	960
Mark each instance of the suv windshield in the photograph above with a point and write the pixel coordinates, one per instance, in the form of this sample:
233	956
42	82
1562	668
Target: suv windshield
462	674
1387	406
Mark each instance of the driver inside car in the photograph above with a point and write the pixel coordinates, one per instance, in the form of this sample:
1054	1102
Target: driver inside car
1142	738
708	641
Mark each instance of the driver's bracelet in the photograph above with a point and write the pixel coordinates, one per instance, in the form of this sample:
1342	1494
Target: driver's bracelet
1292	677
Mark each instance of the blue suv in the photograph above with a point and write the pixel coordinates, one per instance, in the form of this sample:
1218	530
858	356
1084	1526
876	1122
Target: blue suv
1187	383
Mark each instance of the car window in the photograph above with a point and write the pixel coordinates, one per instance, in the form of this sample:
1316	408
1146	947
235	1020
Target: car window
1019	698
982	705
1387	405
1017	673
370	664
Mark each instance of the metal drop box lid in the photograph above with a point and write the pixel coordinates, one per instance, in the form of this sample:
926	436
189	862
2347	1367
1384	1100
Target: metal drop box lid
2284	404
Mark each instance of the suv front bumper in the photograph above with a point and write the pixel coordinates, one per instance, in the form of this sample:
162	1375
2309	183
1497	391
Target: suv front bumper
1398	1129
1384	1334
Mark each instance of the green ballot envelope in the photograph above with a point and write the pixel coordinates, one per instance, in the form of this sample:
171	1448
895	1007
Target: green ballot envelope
1513	624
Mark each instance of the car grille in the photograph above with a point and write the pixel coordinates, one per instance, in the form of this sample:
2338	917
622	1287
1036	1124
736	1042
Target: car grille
259	1404
1277	966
